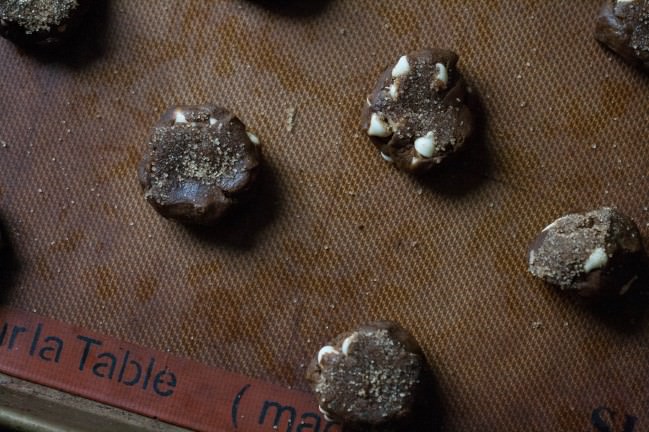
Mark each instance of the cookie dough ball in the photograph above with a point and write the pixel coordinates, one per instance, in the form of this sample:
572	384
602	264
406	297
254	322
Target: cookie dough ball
199	162
623	26
416	115
369	376
596	253
40	22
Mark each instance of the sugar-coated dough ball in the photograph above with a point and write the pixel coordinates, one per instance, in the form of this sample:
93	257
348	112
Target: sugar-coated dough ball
595	253
199	162
369	376
416	115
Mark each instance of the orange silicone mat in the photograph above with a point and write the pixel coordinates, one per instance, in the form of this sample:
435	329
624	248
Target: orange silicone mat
336	236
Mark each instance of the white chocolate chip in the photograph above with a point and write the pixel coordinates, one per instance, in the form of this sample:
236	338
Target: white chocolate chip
597	259
425	145
213	121
180	117
402	67
326	350
347	342
549	226
394	91
386	157
442	73
325	414
626	286
253	138
378	127
415	160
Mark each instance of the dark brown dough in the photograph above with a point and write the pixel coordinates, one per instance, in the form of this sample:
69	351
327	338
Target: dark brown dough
200	161
368	377
596	253
40	22
623	26
416	115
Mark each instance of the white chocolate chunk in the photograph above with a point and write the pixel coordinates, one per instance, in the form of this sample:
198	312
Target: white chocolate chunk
326	350
213	121
425	145
386	157
325	414
347	342
402	67
180	117
549	226
378	127
597	259
394	91
442	73
253	138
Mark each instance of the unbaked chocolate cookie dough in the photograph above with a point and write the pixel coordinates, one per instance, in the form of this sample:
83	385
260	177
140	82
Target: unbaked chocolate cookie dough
595	253
199	162
40	22
623	26
416	115
368	377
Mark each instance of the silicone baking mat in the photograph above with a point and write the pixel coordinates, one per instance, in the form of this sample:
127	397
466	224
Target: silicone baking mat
336	236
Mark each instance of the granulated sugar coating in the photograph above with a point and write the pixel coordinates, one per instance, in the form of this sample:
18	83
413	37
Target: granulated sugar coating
36	15
189	153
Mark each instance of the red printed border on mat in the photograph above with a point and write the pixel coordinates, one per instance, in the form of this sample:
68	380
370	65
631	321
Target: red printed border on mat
148	382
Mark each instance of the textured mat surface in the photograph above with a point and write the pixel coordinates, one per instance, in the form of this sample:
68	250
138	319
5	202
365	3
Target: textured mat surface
337	236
